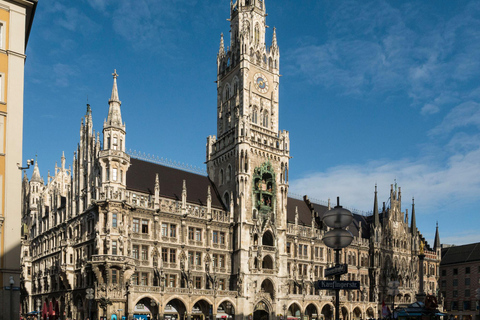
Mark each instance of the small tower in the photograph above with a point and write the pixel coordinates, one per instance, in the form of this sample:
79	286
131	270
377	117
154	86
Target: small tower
113	159
437	247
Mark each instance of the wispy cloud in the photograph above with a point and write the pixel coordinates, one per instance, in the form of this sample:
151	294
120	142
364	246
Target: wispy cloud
374	47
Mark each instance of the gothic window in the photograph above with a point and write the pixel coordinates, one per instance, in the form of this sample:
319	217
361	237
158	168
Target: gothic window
144	279
226	199
265	119
164	254
191	233
144	226
136	225
173	255
145	253
198	234
164	229
221	177
215	236
257	34
222	238
135	252
108	143
114	248
115	143
114	220
229	173
114	174
255	116
173	231
114	276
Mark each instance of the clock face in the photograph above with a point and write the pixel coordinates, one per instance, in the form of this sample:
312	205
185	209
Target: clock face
261	83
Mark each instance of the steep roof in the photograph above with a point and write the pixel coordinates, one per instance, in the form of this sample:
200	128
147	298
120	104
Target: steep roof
141	177
305	216
461	254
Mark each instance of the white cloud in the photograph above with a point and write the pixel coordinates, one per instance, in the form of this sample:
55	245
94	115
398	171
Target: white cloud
463	115
434	184
429	109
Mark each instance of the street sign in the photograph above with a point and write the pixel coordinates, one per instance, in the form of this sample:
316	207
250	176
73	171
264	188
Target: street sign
13	288
337	285
337	270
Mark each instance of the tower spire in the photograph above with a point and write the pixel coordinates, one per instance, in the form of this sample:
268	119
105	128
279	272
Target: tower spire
413	227
274	38
221	51
114	113
376	218
36	173
437	239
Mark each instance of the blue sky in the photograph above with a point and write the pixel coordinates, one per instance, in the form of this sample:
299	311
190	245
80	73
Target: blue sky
372	92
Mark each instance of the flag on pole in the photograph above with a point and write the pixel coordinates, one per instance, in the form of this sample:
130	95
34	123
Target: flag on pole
385	310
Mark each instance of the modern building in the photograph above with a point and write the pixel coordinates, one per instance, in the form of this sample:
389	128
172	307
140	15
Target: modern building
152	239
16	18
459	280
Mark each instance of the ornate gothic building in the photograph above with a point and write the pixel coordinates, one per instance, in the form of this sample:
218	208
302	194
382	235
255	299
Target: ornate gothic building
151	239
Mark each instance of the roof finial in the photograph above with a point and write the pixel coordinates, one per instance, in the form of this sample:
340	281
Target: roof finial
114	89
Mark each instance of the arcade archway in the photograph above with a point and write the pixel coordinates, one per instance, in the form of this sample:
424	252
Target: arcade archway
145	307
226	310
201	310
267	286
357	313
344	313
175	309
261	311
327	312
294	312
311	312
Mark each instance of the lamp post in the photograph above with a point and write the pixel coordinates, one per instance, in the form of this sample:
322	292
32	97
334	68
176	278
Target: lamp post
12	282
393	290
337	239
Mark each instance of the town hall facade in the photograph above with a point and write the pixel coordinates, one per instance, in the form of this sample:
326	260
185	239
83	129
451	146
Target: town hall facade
151	240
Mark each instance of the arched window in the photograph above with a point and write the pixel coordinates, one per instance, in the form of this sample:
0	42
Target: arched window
265	119
226	200
221	177
255	116
229	173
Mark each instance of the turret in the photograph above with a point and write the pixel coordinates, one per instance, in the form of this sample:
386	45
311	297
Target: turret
113	159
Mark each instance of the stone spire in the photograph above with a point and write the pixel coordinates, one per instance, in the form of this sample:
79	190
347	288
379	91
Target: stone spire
36	174
436	245
274	38
413	227
114	114
376	217
221	51
63	160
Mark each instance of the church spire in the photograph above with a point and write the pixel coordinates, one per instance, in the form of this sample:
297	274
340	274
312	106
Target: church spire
376	218
274	38
413	227
221	51
114	113
437	239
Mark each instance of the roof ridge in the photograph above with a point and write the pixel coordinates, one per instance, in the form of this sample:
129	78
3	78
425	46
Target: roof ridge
166	162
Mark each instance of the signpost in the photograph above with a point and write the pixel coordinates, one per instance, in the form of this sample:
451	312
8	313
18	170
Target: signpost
337	285
337	270
89	296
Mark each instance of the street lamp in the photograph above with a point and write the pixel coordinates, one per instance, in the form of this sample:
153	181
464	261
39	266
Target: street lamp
12	282
337	239
393	290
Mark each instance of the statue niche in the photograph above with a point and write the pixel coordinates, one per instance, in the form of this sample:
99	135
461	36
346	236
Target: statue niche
264	190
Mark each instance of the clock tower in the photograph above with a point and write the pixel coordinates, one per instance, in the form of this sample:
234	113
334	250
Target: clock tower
248	158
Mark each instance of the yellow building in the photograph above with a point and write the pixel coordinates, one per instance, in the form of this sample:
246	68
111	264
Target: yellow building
16	17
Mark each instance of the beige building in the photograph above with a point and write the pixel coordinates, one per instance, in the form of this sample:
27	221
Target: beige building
159	241
16	17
